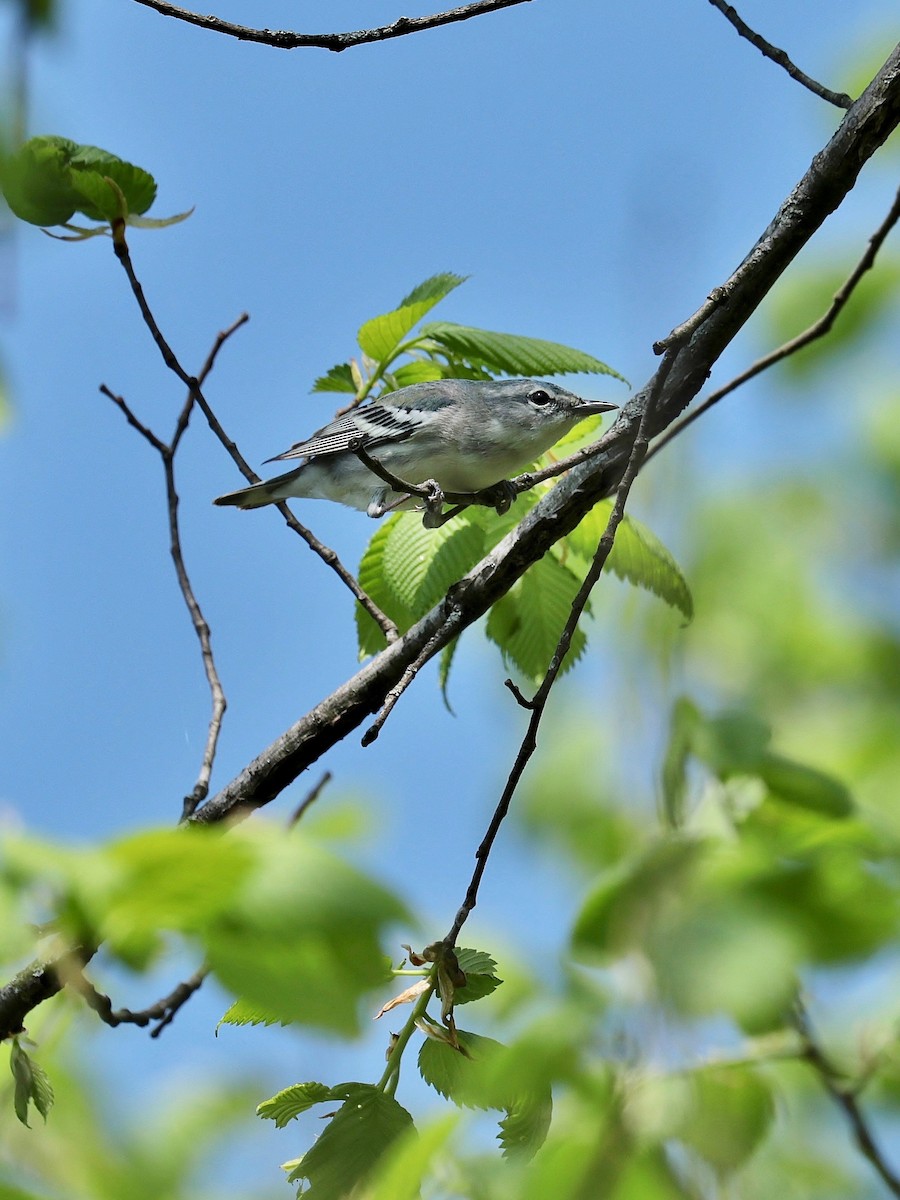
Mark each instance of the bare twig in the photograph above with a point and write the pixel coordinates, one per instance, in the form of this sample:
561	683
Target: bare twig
844	1096
163	1011
283	39
396	692
309	799
817	330
327	555
841	99
538	703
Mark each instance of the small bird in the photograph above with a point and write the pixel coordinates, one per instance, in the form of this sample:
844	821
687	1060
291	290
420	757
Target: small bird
463	434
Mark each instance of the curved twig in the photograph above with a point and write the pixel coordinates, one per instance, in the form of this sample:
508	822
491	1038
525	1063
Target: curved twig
283	39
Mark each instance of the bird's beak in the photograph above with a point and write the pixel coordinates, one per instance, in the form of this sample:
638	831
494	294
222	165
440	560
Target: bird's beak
587	408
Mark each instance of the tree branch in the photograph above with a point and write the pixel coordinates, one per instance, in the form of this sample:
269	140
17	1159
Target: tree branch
283	39
844	1097
841	99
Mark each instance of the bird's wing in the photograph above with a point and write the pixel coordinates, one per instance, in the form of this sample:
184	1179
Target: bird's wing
367	427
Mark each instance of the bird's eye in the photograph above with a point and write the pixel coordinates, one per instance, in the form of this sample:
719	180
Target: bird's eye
539	397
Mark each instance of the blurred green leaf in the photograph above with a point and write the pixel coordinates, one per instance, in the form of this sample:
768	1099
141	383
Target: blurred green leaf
804	786
732	1110
403	1169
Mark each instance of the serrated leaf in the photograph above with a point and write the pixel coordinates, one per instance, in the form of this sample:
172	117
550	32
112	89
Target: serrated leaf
511	354
434	288
637	556
406	569
400	1175
290	1102
338	379
481	976
462	1077
97	198
524	1128
244	1013
527	622
36	181
380	337
352	1144
32	1084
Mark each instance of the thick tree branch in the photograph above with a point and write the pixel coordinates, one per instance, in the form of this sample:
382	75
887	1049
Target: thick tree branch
841	99
283	39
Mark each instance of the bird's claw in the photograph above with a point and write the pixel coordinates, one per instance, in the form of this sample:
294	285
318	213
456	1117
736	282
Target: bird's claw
501	495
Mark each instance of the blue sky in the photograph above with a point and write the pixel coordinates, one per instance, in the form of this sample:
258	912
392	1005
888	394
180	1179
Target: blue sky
595	168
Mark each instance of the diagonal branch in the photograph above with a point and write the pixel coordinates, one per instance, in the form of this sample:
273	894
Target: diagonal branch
283	39
841	99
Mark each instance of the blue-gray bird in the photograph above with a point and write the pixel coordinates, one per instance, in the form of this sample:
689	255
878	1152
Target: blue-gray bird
466	435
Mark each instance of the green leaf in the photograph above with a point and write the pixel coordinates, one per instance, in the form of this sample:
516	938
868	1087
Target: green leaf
511	354
32	1085
352	1143
243	1013
380	337
338	379
50	178
730	1114
805	787
462	1077
407	569
682	726
418	371
524	1128
637	556
434	289
526	623
301	935
404	1167
734	743
481	975
290	1102
629	898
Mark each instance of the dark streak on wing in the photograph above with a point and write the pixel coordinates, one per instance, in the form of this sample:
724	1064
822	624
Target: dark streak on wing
371	426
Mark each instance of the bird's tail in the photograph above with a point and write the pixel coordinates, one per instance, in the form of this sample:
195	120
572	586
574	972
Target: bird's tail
260	494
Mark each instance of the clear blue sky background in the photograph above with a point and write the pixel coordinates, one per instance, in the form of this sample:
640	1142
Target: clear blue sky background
596	168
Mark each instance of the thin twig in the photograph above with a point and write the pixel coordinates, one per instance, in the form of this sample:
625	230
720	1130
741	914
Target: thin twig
844	1097
327	555
283	39
818	329
309	799
538	703
163	1011
396	692
841	99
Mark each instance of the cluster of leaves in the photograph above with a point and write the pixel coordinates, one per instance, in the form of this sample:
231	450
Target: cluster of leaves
443	350
48	179
407	570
